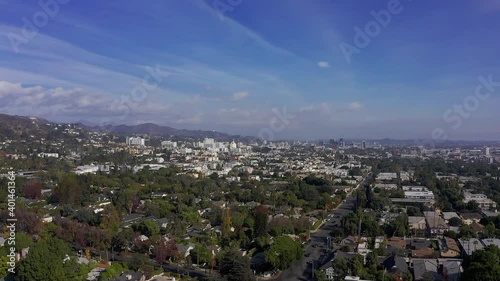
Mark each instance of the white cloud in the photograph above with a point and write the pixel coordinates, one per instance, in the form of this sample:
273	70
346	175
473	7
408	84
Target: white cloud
196	119
355	106
240	95
16	98
231	112
322	107
324	64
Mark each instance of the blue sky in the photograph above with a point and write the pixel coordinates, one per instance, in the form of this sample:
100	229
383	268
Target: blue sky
226	67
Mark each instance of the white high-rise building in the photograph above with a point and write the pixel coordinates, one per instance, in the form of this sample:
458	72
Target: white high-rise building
487	151
233	145
169	144
135	141
209	143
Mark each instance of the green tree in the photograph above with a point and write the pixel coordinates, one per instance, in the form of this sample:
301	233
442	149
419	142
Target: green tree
472	205
283	252
111	219
356	266
112	271
61	267
226	222
340	268
372	262
407	276
148	228
320	275
260	221
4	266
23	240
483	265
455	221
234	267
200	254
466	231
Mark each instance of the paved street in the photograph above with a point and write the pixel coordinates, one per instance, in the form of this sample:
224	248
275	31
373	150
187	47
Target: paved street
302	269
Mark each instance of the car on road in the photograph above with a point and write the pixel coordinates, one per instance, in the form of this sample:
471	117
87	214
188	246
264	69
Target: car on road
307	255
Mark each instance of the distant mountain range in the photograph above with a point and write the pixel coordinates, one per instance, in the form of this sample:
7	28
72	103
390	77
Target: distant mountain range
12	126
413	142
157	130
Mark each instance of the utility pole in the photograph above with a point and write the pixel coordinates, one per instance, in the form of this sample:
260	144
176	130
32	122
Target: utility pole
312	269
359	230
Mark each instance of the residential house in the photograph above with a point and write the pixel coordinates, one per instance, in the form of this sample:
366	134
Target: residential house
422	253
421	267
386	177
130	276
354	278
421	248
163	222
469	218
396	266
387	186
418	225
448	215
449	247
477	227
435	223
397	242
184	249
482	200
47	218
491	241
94	274
470	246
162	278
128	220
327	260
327	268
362	248
349	240
452	270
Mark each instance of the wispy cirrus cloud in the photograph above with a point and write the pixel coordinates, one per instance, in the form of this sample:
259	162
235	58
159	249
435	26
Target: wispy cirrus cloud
322	107
355	106
242	29
240	95
324	64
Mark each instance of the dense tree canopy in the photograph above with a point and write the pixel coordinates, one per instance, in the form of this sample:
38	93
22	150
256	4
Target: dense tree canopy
49	260
283	252
483	265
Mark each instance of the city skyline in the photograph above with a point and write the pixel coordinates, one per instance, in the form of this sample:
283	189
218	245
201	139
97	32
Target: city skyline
253	68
